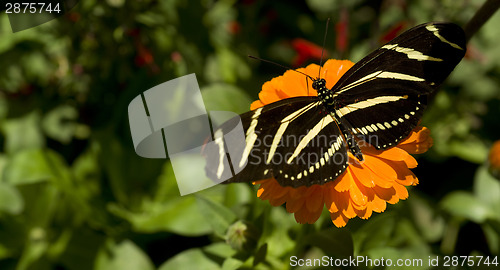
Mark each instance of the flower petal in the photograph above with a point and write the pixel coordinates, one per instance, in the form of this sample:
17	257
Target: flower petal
364	172
349	211
401	191
418	142
410	180
386	194
364	213
315	199
378	205
278	201
394	153
330	197
356	195
339	219
343	182
295	205
256	104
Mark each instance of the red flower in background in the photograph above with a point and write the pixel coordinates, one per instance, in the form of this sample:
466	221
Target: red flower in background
305	51
393	32
234	27
144	56
341	29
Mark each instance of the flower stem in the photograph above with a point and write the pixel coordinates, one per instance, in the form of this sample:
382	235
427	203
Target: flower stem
481	17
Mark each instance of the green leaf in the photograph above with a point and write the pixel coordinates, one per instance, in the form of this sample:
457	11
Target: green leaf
190	259
10	199
492	236
123	256
429	223
487	189
238	195
260	255
225	97
217	215
23	133
226	66
166	184
464	204
4	252
80	253
41	202
34	249
231	264
129	176
395	253
471	148
276	230
406	234
375	233
13	229
34	165
333	242
60	123
219	249
179	215
150	18
323	6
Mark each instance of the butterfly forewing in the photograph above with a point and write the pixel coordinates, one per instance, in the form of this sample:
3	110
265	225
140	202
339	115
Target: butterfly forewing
423	55
384	94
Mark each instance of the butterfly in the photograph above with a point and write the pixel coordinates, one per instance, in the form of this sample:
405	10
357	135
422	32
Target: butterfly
304	141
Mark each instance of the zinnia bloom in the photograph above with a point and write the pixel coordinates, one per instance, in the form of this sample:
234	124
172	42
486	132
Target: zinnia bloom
364	187
494	159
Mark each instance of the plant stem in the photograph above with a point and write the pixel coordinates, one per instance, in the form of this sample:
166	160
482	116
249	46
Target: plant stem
481	17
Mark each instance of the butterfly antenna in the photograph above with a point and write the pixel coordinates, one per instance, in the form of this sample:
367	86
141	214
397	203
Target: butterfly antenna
280	65
323	48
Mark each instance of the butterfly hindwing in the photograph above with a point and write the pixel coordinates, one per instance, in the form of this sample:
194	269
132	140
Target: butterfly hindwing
314	151
393	122
295	141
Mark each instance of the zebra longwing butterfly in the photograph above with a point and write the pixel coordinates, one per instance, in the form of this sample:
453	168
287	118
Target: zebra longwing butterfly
379	101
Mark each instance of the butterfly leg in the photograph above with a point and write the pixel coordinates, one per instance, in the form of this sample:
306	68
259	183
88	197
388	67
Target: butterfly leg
349	138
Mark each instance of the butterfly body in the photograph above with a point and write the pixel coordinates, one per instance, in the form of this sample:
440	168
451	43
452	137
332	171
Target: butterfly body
327	99
303	141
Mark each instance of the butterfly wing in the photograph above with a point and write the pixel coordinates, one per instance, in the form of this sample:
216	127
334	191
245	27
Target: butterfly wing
382	97
293	140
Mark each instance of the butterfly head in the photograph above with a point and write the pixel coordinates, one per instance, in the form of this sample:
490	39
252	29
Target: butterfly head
319	84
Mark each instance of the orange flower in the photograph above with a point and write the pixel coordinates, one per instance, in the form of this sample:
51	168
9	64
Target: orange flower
364	187
494	159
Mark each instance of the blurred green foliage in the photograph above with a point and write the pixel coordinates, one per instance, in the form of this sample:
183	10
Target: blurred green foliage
74	195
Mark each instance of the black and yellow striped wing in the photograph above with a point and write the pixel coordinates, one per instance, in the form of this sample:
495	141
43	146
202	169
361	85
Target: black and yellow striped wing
291	140
304	141
383	96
